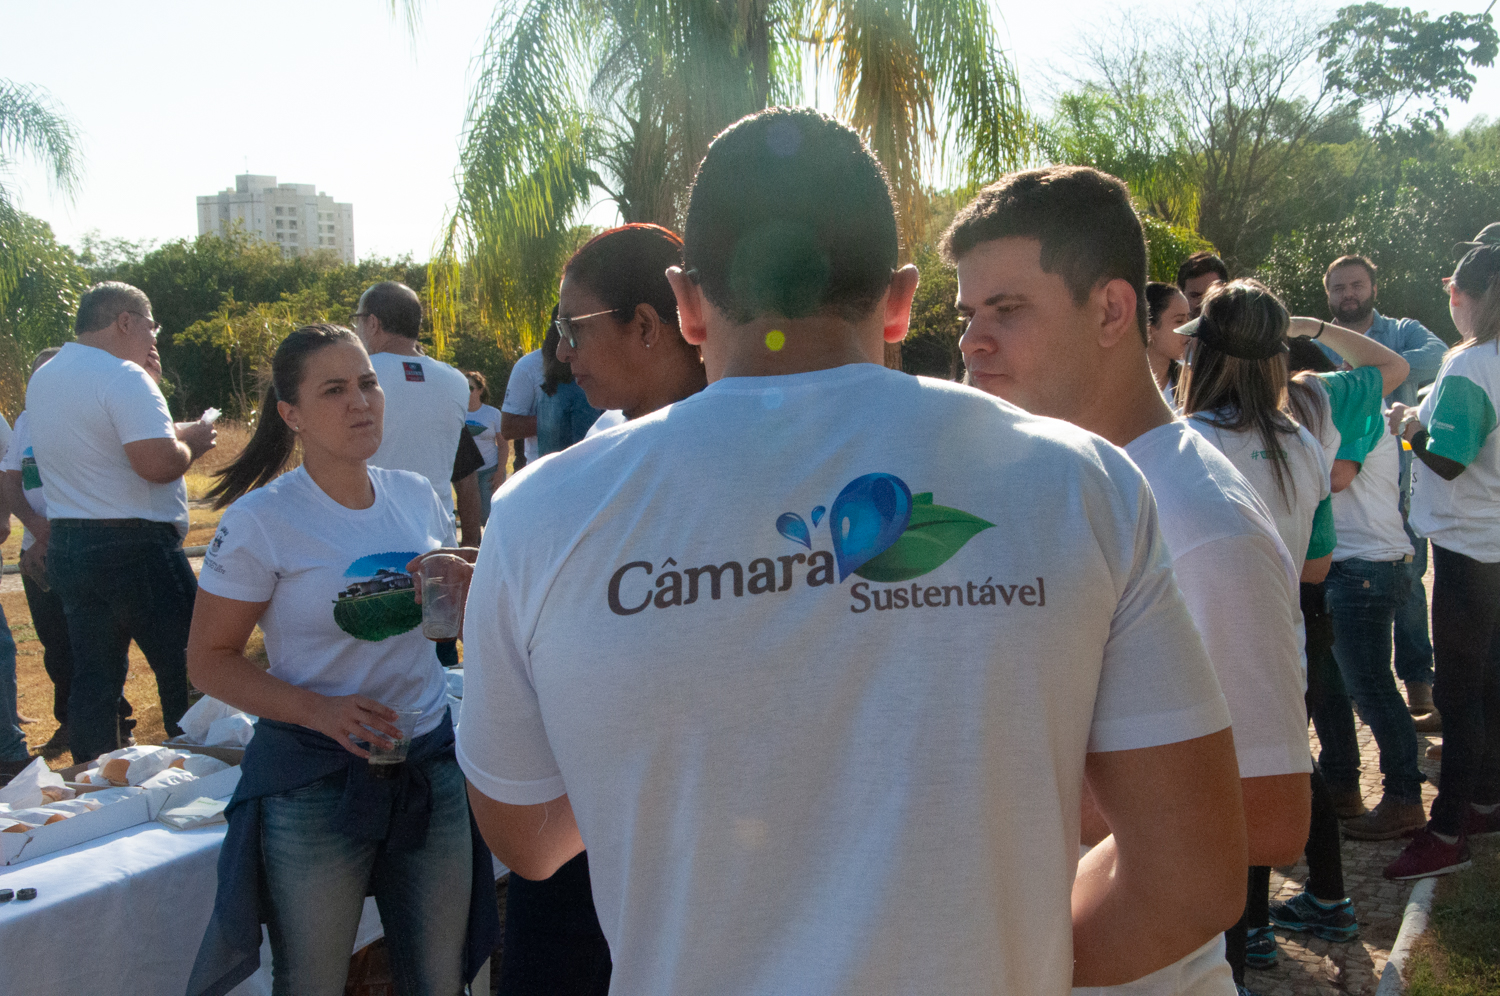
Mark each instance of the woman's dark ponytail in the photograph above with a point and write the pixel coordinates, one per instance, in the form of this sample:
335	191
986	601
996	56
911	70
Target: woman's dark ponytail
273	443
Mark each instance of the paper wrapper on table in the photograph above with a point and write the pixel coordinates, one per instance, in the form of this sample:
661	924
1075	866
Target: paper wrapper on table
199	812
207	711
171	778
201	765
25	790
235	731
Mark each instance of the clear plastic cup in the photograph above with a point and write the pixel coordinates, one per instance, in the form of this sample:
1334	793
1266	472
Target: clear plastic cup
385	760
444	578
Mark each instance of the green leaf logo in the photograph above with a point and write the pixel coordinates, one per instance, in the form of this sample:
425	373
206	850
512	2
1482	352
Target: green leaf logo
934	534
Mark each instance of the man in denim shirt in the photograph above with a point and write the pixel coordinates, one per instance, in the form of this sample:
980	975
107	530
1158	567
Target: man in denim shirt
1351	285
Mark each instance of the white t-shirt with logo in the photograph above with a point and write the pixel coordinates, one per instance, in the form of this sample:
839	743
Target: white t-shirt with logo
1367	513
426	405
85	405
484	425
526	379
343	617
19	457
1462	515
1306	475
821	699
1242	589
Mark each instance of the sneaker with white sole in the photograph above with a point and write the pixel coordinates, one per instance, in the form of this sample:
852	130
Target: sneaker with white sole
1306	914
1427	855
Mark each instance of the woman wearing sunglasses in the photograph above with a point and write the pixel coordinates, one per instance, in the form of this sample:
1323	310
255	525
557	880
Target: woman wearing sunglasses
1456	503
617	325
617	328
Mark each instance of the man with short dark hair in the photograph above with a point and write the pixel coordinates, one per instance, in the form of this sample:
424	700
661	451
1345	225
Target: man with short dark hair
425	401
843	644
1051	277
1352	287
1196	274
112	462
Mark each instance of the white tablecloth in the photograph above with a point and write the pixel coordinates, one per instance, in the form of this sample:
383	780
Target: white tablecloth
121	915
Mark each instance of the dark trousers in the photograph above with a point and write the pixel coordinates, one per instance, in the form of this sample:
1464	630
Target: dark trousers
1327	699
553	944
51	625
1466	689
121	580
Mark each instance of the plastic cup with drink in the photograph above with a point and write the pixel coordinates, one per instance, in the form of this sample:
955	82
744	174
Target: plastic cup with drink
444	580
384	761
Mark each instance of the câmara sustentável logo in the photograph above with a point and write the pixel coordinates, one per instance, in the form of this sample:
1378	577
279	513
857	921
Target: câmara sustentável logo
879	531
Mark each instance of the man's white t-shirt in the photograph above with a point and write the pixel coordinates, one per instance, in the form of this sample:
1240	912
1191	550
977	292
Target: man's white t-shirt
1367	514
85	405
606	421
1242	589
426	405
821	700
484	425
1306	476
526	379
343	617
19	457
1462	515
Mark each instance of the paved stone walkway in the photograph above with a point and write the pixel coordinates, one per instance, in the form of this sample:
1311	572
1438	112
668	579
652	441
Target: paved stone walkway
1310	967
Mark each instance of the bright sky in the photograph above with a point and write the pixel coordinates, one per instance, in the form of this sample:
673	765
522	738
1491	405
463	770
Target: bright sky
173	98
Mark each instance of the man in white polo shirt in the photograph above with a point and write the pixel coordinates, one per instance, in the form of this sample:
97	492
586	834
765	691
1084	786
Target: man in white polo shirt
816	661
112	462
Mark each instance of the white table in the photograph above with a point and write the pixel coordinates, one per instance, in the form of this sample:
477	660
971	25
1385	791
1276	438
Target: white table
123	916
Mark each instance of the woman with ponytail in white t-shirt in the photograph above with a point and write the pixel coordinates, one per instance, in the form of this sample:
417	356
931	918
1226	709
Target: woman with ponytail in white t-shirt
1235	392
320	558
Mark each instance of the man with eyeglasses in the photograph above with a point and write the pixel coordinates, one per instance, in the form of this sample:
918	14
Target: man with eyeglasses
112	463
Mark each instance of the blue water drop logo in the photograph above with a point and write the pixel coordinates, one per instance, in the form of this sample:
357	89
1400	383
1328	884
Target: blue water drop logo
868	516
790	525
817	515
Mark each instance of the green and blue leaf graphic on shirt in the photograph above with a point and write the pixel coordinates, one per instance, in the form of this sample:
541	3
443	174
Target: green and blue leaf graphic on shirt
884	533
383	602
475	428
1462	419
31	476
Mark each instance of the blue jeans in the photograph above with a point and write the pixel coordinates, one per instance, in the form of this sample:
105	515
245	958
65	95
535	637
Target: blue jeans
1466	623
12	739
1413	644
1363	597
486	486
121	580
317	879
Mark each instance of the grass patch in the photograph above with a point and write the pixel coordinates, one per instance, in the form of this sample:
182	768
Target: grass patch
1459	955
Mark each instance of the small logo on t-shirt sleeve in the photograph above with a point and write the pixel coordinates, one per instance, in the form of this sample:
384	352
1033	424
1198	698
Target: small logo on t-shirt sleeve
413	371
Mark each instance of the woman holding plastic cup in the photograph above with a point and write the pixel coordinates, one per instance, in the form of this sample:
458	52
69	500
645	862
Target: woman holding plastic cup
318	557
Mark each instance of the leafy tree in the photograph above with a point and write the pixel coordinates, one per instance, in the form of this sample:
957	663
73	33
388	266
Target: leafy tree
620	97
31	127
1389	58
1408	232
38	310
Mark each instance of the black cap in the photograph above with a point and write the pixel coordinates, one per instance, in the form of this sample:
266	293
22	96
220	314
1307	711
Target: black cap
1489	235
1239	346
1479	266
